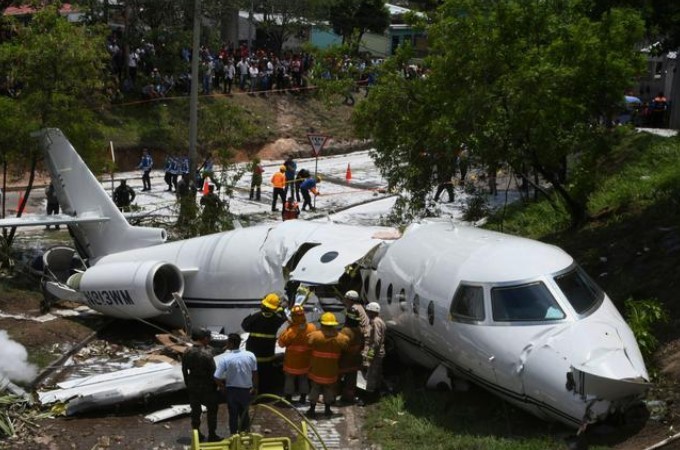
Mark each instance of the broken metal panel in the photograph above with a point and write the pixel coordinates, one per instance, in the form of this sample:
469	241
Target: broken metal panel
326	263
591	385
108	389
169	413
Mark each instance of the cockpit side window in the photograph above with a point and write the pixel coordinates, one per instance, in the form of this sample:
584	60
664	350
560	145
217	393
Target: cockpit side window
530	302
468	304
580	290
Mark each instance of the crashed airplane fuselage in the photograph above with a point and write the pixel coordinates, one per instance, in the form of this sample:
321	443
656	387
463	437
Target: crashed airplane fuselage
516	316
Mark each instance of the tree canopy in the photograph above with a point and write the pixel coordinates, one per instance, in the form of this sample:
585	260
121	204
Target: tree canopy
529	83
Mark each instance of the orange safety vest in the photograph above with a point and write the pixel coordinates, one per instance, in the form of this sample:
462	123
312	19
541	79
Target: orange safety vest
326	350
350	360
298	356
290	211
279	180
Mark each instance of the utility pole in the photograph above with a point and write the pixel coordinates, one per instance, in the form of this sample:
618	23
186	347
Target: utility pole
193	101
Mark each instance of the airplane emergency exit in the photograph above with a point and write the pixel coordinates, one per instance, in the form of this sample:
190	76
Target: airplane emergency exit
515	316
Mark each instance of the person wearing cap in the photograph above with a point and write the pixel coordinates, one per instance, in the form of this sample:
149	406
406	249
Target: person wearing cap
279	182
198	367
262	327
297	360
236	376
307	186
353	306
350	359
327	345
291	169
374	351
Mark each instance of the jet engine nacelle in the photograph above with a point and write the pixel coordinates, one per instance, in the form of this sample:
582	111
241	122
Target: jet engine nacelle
130	289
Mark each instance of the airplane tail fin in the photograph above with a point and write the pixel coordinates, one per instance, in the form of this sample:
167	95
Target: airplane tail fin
82	196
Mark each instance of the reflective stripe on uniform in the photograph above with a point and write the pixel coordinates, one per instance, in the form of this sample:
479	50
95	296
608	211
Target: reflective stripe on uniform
298	348
265	358
262	335
322	380
327	355
296	371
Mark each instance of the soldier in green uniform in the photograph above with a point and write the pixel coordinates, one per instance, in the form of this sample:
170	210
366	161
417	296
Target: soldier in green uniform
198	367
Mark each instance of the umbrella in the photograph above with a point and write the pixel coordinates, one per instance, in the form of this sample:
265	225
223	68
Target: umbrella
631	99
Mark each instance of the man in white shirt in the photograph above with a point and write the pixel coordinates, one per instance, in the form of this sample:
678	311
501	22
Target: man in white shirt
236	375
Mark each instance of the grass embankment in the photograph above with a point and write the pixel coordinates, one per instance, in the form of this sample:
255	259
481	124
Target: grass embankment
164	123
631	247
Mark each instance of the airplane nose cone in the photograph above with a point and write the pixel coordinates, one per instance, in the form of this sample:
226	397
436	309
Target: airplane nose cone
606	350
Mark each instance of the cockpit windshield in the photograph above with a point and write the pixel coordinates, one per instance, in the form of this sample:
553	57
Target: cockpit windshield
580	290
531	302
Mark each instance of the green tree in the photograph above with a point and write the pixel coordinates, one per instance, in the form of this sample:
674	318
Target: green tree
529	83
351	19
282	19
60	66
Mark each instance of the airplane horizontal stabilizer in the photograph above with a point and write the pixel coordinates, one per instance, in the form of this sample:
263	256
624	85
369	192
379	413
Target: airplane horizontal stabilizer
59	219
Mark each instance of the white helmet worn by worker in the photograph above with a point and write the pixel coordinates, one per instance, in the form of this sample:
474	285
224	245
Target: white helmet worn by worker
352	295
373	307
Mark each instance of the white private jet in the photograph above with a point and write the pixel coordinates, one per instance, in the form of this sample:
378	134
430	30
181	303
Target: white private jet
516	316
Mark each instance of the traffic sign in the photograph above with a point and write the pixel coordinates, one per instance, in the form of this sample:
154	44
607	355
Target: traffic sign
317	141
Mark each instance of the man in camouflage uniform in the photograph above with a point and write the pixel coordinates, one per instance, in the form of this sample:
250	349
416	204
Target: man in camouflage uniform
374	352
198	367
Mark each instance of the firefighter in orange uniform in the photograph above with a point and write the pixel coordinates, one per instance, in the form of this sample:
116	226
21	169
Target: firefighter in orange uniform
279	183
327	344
291	210
351	359
297	359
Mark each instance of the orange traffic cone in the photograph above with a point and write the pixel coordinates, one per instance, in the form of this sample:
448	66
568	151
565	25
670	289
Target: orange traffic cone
206	186
348	174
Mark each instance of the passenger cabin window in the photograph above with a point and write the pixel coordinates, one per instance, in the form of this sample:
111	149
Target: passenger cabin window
416	305
378	287
430	313
580	290
468	303
367	279
531	302
389	294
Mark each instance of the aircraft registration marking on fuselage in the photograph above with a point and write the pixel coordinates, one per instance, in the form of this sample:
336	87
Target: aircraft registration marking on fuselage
110	297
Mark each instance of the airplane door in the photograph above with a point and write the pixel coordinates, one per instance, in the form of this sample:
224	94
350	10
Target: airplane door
469	345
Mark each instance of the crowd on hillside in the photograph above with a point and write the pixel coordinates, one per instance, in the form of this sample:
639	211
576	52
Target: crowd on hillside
225	69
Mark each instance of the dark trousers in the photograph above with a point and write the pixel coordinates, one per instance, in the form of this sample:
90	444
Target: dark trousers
146	179
210	400
307	198
278	193
255	191
269	376
449	189
168	180
238	401
297	190
228	82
